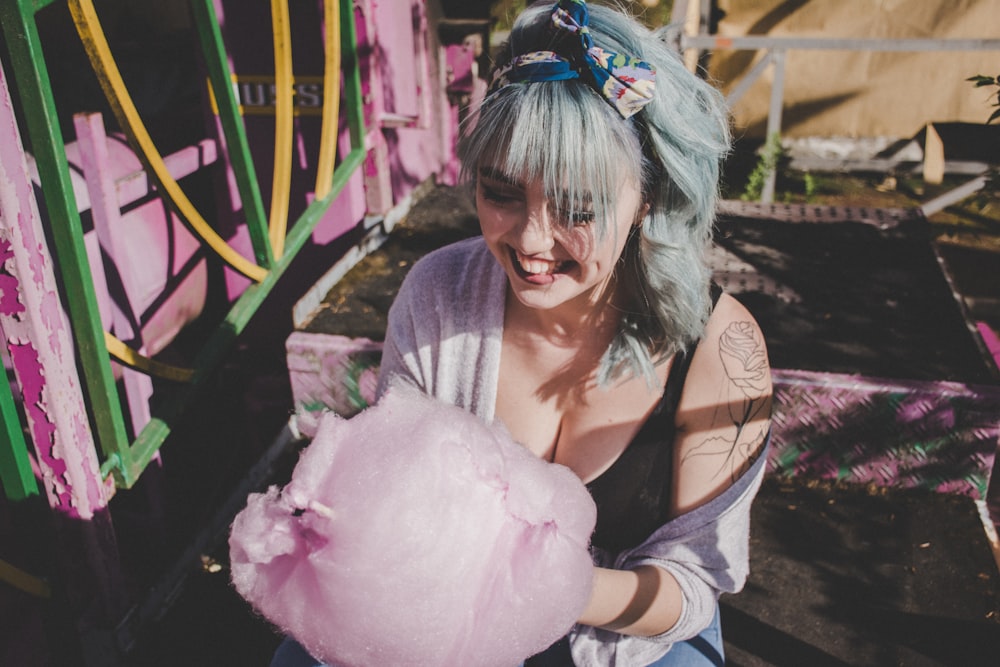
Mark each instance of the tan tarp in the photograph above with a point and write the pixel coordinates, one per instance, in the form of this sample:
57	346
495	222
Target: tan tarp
862	94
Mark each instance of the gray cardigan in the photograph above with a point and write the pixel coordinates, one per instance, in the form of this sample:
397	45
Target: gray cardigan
444	336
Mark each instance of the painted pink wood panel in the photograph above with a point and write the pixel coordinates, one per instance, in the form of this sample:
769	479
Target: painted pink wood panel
149	237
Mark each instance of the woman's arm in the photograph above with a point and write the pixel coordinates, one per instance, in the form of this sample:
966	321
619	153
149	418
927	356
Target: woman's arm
723	420
724	415
645	601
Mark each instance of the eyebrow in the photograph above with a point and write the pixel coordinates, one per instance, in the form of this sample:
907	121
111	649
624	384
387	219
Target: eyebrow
497	175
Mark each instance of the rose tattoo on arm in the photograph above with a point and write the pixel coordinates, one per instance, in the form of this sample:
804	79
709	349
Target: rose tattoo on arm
742	352
745	397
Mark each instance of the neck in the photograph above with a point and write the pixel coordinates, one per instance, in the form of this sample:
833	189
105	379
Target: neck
585	323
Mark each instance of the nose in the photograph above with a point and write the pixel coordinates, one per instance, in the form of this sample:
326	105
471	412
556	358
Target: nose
535	233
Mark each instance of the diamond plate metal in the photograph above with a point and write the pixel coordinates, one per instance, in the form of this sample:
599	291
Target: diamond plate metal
941	436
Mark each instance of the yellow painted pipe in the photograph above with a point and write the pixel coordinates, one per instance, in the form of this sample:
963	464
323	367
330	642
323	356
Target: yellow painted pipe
331	100
283	126
126	355
96	44
23	581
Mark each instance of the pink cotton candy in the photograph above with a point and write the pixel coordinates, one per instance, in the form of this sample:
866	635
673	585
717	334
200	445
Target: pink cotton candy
416	534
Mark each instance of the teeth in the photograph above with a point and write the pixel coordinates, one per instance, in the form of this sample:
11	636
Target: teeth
537	266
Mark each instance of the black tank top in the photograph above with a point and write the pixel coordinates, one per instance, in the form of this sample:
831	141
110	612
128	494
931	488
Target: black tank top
633	495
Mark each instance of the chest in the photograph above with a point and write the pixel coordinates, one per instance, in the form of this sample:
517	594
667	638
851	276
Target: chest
551	402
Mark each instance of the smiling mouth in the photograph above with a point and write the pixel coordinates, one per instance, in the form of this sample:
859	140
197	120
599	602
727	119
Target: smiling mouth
529	267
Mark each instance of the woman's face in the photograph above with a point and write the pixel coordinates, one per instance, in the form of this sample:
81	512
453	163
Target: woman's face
552	257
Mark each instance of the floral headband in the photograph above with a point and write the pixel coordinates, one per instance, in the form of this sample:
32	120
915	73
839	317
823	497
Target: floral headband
626	82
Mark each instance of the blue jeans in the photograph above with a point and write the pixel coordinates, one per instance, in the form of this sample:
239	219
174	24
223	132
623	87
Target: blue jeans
705	650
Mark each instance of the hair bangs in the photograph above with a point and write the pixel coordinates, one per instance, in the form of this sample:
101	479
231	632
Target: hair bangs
564	135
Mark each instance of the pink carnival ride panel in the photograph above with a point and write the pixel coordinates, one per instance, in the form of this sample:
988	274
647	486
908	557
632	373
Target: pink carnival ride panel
330	372
149	236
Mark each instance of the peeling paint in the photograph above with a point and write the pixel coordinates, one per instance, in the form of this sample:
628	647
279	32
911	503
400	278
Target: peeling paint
24	358
52	319
9	284
10	292
81	439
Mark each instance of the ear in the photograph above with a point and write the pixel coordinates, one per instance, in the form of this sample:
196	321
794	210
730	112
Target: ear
641	214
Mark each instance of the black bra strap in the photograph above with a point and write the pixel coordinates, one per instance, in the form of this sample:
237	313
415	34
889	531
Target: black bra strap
682	363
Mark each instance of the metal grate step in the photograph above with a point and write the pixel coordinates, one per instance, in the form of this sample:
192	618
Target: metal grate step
882	218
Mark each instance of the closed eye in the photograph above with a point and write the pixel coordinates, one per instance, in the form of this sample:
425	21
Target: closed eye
574	217
499	193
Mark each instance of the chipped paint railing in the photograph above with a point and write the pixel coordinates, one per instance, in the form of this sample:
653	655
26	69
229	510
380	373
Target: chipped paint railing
16	475
275	242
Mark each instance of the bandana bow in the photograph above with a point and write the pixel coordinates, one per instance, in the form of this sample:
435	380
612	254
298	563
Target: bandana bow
624	81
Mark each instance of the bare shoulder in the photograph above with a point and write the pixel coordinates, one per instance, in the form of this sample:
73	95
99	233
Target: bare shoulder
728	311
724	415
733	351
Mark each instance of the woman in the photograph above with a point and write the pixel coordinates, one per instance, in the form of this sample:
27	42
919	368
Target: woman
584	320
